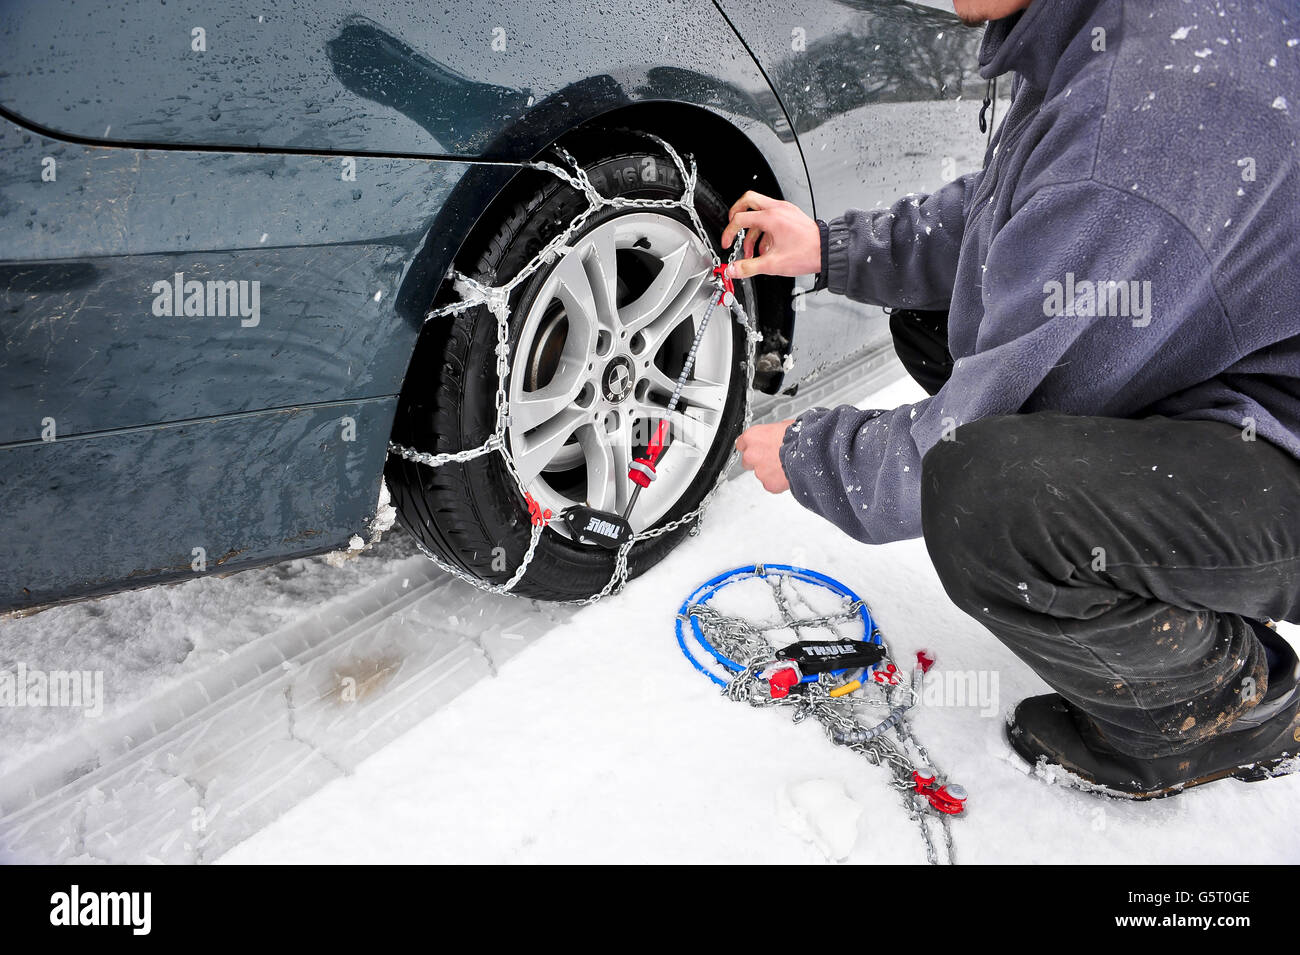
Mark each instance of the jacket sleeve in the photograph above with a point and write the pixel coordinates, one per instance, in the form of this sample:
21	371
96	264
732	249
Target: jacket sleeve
861	469
901	257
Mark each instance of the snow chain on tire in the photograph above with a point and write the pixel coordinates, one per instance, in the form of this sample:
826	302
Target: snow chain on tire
496	298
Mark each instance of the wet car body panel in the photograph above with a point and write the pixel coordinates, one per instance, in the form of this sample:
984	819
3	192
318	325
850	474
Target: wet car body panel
884	98
329	256
474	78
253	438
211	495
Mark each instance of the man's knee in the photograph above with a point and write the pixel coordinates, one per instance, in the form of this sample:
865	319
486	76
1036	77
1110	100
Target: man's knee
975	490
971	472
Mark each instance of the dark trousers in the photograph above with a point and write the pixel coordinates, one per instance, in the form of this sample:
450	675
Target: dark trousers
1120	559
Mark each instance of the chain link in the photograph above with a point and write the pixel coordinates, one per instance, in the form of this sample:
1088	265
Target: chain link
497	300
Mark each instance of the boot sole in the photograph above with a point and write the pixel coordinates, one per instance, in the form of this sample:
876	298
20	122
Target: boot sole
1254	773
1281	764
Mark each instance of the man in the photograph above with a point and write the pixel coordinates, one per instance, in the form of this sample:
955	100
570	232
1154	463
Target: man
1106	475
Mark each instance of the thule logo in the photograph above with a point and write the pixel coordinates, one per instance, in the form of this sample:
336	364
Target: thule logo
604	528
830	650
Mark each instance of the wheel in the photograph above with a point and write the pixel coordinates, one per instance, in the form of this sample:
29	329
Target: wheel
597	340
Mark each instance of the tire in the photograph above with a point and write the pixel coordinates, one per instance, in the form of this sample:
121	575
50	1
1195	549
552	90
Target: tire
471	514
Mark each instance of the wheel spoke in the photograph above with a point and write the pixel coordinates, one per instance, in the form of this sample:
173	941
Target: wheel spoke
672	290
601	265
531	409
608	455
573	288
696	392
690	431
681	310
540	447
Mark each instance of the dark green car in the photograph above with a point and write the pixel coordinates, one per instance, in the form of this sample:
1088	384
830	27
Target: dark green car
222	228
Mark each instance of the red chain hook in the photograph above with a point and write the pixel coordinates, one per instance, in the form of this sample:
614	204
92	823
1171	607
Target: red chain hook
949	799
536	514
727	284
888	675
645	474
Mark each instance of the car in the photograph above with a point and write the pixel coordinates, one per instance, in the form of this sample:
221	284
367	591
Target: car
223	229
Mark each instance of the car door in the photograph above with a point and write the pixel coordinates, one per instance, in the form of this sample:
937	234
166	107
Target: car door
884	97
200	339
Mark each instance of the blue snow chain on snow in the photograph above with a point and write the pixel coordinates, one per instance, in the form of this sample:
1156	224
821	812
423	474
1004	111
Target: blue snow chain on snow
707	590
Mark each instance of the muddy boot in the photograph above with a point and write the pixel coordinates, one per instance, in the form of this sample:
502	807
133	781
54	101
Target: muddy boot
1263	742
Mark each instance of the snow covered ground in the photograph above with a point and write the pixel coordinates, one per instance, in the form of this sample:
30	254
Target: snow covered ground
599	743
149	641
578	736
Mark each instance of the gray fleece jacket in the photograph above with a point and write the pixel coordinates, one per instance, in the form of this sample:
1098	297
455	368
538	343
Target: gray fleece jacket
1131	248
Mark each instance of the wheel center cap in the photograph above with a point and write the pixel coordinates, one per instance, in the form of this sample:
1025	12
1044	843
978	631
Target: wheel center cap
618	380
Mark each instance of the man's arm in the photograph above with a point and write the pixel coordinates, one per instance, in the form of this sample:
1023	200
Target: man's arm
904	256
861	469
901	257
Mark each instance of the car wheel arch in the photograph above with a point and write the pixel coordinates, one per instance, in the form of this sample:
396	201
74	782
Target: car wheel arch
723	152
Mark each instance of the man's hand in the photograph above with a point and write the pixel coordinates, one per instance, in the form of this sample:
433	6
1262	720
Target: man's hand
789	242
760	452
